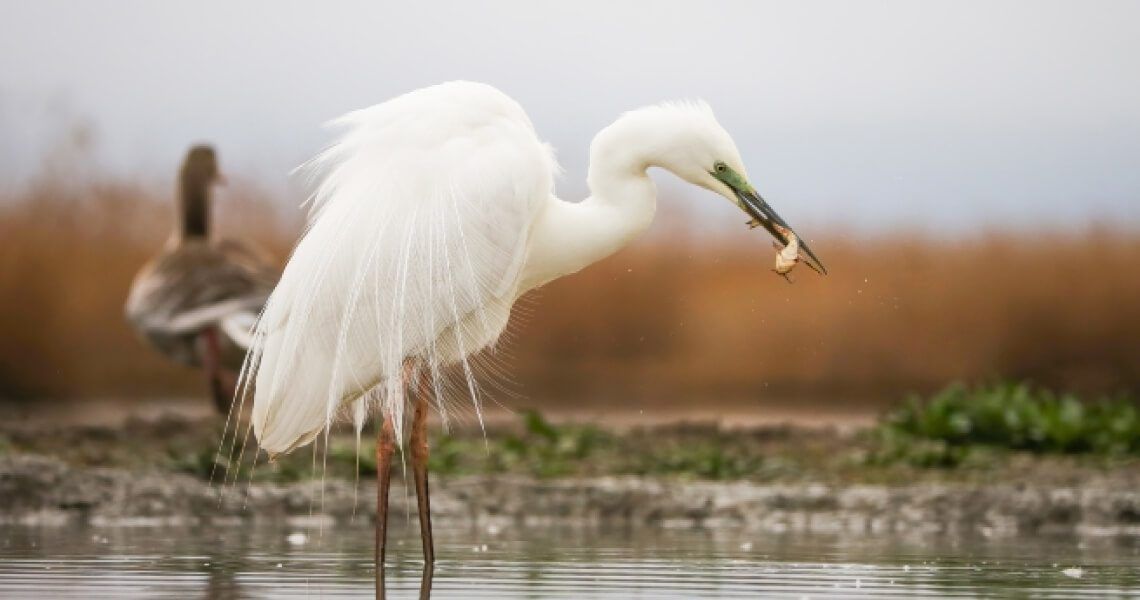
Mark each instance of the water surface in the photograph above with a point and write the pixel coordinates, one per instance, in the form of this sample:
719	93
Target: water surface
270	562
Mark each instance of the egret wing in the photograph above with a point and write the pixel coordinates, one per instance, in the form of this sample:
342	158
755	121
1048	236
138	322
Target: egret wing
417	234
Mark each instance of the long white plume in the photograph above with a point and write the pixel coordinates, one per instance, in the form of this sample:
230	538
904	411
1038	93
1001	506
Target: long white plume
417	235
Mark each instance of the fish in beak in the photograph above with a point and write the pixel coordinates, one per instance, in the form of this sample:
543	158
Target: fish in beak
764	216
792	248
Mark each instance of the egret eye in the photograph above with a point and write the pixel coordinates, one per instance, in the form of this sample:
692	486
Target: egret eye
720	167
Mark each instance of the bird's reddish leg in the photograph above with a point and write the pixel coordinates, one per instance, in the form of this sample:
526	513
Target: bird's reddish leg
211	361
419	447
385	448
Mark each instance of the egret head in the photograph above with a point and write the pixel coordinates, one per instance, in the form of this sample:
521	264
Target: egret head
701	152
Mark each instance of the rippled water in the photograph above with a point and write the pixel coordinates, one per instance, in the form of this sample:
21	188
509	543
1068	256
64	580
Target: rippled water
252	562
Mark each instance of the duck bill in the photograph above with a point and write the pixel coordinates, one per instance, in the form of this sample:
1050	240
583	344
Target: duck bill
763	215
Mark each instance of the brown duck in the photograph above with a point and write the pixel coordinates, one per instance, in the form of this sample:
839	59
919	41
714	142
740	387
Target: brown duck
197	301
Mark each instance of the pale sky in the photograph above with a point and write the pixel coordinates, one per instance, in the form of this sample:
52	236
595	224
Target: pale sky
942	115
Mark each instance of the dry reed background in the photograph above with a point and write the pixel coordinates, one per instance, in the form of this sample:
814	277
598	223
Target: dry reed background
676	317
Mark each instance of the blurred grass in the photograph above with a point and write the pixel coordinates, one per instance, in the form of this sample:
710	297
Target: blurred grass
70	246
674	317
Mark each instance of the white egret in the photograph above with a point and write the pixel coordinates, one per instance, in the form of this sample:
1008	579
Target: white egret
198	299
431	215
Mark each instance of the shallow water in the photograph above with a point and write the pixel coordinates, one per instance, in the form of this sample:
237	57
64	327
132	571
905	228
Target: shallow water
264	562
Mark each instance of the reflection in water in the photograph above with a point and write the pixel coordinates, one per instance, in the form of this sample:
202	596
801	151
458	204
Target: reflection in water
260	562
425	581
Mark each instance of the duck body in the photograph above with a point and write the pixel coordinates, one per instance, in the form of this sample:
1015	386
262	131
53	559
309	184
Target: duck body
195	286
197	300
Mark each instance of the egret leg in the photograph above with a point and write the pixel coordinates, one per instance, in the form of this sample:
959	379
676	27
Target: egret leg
419	447
385	448
211	361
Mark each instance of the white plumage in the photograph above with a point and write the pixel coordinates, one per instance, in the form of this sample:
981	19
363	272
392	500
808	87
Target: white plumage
415	249
432	214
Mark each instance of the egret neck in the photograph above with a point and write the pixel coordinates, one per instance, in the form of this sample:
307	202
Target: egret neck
623	199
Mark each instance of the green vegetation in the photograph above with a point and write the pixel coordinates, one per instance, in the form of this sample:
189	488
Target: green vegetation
962	425
535	447
999	431
543	449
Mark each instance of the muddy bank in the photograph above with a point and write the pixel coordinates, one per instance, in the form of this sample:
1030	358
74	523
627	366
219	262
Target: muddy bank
46	491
